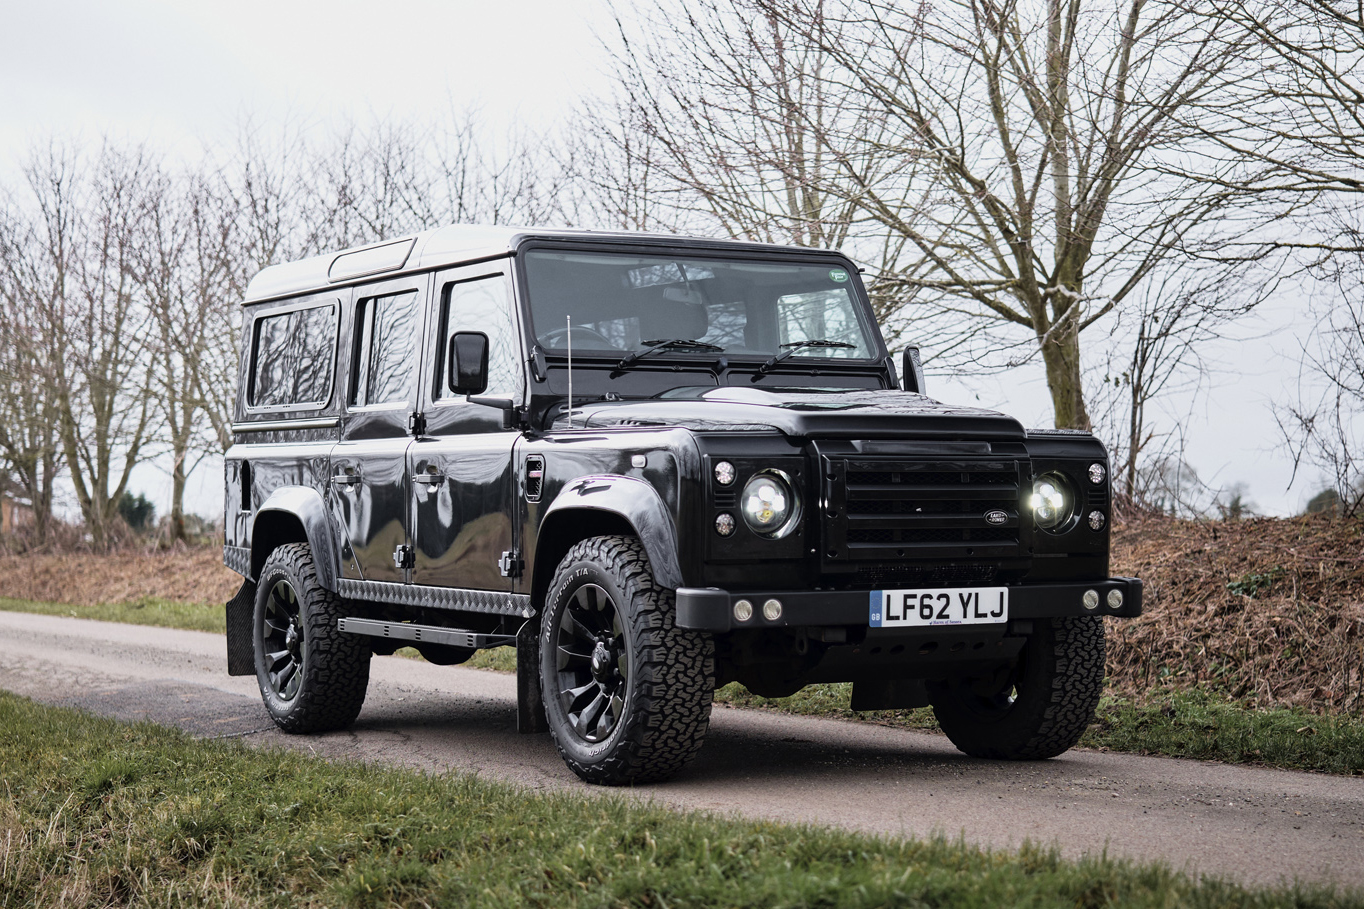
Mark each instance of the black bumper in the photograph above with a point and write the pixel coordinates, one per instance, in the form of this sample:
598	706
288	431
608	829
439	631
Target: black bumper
712	609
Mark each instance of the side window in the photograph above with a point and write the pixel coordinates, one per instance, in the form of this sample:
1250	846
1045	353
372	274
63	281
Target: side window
483	304
384	369
293	357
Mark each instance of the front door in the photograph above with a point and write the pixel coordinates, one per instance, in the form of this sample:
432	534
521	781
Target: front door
462	488
369	484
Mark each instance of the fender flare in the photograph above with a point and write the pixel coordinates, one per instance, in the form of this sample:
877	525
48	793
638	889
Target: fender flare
307	507
640	505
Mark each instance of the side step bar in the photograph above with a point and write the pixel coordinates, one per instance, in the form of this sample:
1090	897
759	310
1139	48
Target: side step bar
431	634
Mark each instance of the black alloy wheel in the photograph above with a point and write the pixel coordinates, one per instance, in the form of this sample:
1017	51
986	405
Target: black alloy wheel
312	676
594	666
282	640
627	693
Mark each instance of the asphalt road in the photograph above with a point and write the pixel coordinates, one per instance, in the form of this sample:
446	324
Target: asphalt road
1248	824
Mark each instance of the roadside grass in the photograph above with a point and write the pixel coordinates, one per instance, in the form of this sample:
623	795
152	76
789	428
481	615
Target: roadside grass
1190	724
156	611
1187	724
100	813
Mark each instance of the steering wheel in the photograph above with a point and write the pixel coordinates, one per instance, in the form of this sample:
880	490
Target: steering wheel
596	340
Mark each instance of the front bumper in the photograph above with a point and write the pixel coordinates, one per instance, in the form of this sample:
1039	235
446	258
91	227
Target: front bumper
712	609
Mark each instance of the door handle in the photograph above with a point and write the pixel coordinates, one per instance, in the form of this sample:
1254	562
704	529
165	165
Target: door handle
345	479
430	478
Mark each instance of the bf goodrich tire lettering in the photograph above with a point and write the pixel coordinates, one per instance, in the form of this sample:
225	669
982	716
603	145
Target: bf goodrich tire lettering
664	676
312	677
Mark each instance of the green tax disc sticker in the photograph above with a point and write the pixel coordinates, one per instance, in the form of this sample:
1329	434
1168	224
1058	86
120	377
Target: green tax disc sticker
838	275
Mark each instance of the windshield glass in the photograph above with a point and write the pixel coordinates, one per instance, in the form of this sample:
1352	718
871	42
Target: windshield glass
620	303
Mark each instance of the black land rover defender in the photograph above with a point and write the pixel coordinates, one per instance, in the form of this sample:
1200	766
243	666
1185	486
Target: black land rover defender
654	466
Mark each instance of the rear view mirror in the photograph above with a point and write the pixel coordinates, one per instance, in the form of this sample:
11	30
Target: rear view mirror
912	373
468	362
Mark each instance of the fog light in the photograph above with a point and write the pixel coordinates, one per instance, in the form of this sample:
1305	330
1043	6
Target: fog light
1115	599
724	524
1091	599
1097	473
743	610
1096	520
724	473
772	610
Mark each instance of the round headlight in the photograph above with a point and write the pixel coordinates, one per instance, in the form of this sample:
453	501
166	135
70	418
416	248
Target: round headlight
1051	501
769	504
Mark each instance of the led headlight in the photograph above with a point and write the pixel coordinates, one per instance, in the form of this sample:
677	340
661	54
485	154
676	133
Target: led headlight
769	504
1051	501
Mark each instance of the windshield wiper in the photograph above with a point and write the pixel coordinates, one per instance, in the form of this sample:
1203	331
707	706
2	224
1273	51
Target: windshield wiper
661	344
797	345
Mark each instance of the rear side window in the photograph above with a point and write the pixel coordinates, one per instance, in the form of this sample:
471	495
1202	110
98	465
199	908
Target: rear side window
293	358
387	339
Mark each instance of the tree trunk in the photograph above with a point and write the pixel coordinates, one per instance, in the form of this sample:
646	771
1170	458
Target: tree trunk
1061	355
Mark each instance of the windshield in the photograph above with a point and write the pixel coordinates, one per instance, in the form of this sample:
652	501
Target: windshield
621	304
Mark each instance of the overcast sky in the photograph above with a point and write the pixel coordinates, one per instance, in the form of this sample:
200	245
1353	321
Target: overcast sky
184	76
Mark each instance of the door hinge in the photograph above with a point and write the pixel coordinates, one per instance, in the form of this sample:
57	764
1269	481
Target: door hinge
416	423
404	557
511	564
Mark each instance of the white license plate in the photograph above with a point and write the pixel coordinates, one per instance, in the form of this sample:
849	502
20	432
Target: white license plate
939	606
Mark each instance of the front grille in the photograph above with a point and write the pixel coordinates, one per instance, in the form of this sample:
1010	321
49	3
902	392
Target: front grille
884	510
934	574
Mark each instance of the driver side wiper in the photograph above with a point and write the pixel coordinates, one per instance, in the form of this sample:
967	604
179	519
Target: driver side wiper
661	344
797	345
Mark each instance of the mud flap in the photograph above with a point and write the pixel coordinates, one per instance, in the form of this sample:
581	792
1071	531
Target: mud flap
530	707
241	657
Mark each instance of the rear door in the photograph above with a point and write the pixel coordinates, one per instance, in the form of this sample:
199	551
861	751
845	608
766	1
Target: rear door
462	488
370	487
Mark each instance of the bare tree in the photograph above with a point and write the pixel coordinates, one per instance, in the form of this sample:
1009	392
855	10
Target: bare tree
729	112
181	268
28	416
1032	159
1158	349
95	328
1324	427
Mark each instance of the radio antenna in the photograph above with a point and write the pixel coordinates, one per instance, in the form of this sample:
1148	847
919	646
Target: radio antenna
568	333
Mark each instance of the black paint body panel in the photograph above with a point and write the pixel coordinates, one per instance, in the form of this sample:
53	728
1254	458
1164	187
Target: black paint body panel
405	499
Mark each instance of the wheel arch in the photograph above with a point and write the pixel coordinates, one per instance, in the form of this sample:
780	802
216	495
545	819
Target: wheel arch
294	514
604	506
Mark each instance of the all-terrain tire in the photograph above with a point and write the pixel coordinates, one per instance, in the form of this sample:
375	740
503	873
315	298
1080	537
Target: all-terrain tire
666	677
332	667
1038	710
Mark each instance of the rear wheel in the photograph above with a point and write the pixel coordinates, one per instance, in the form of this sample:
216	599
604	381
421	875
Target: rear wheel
627	693
1035	709
312	677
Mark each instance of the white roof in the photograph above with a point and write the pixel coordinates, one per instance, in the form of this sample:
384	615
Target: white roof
440	247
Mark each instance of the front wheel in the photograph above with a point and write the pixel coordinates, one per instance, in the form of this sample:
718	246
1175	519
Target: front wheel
312	676
627	693
1037	708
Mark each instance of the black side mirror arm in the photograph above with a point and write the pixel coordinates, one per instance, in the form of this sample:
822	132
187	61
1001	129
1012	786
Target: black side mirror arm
512	417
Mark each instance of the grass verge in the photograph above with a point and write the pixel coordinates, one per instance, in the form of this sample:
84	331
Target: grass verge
1189	724
144	611
99	813
1182	724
